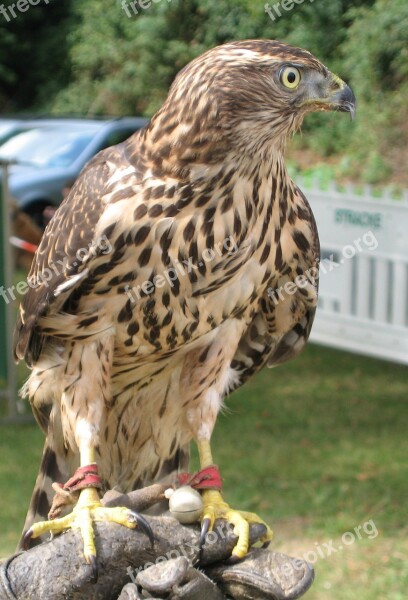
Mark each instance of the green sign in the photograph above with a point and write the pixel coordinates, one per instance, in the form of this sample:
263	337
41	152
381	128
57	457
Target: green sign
358	218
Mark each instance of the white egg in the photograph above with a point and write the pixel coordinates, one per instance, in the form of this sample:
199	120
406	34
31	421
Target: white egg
186	505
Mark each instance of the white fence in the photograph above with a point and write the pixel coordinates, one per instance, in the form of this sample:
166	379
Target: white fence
363	305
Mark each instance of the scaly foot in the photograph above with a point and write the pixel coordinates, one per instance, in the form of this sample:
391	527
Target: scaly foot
216	508
87	510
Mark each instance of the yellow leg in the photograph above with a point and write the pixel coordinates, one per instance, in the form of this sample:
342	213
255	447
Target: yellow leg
87	510
205	454
86	455
215	507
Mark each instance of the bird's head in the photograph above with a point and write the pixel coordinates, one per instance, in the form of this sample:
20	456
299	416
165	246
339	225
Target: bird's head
247	96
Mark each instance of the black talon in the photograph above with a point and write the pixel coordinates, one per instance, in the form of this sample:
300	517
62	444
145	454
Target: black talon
233	560
266	544
94	565
205	528
143	525
27	538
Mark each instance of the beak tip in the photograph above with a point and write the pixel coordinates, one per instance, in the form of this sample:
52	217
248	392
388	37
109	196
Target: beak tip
351	109
348	101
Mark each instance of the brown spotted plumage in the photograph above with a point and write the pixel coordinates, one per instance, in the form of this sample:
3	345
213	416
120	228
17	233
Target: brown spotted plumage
166	260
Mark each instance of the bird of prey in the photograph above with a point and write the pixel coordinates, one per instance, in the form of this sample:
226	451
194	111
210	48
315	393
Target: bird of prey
152	293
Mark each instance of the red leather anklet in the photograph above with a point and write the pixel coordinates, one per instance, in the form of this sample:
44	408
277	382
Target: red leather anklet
67	493
206	479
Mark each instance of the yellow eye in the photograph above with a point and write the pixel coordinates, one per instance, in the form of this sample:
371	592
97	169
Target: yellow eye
290	77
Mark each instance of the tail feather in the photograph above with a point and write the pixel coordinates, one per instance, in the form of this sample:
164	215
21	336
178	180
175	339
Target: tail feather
54	467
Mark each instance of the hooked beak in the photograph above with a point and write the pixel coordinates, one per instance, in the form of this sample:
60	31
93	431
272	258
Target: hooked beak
344	100
339	96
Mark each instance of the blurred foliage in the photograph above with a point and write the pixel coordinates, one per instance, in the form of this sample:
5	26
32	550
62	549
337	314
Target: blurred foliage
113	57
34	54
376	55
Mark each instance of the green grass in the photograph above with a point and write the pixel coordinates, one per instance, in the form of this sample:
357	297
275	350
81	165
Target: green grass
20	452
316	447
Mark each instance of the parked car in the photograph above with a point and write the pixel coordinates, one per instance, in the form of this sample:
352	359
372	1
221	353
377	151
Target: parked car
13	125
9	127
52	152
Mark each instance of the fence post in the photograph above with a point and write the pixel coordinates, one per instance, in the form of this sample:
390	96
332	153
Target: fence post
7	364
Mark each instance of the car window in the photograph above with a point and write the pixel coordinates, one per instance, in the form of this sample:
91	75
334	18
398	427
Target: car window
116	137
53	147
7	130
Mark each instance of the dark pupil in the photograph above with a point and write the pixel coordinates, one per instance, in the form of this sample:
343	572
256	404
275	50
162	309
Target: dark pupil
291	77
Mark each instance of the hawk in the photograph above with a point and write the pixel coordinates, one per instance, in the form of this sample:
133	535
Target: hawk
152	293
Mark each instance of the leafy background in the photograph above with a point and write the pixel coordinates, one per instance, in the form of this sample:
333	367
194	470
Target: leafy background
88	58
321	443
